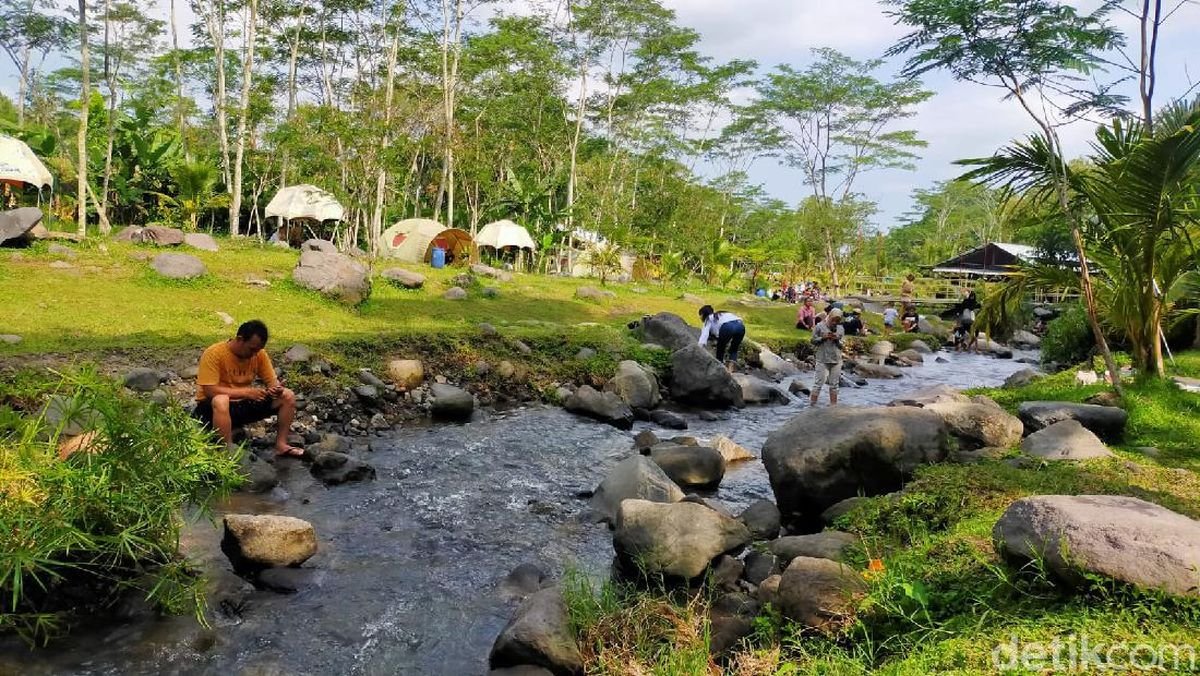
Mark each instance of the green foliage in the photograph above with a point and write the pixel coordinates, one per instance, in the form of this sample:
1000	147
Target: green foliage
1068	338
79	532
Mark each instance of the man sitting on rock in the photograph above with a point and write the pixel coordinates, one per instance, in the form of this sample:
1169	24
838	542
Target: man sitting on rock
225	396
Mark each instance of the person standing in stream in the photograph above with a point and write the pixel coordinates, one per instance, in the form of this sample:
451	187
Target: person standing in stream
729	329
827	338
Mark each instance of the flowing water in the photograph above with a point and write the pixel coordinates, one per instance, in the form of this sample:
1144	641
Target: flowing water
406	581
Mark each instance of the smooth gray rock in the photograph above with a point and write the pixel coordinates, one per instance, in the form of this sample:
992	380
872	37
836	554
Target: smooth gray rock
1118	537
333	274
1025	339
455	293
669	330
1021	378
699	379
592	293
690	466
404	278
929	395
830	544
762	518
758	391
321	245
668	419
760	566
178	266
636	385
1107	422
979	425
267	541
603	406
16	224
878	371
1066	440
678	540
451	403
539	635
841	508
298	354
636	477
142	379
335	469
201	241
825	455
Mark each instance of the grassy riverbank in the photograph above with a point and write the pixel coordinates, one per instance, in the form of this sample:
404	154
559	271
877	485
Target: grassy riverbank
944	602
109	306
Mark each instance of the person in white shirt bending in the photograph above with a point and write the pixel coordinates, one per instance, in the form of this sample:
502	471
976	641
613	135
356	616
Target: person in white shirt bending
729	329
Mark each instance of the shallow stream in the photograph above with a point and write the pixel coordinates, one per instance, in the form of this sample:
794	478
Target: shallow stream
407	578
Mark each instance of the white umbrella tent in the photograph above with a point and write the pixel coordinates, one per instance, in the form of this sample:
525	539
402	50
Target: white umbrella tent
302	203
20	166
504	236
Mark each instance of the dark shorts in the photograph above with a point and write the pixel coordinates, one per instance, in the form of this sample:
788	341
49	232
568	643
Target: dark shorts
241	412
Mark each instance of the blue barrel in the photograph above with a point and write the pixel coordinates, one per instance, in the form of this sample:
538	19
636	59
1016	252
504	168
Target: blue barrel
438	259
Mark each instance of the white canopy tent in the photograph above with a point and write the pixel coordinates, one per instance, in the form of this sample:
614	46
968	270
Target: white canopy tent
305	201
19	165
505	234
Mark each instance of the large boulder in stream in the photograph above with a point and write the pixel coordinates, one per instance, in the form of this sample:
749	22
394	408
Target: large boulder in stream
698	378
880	371
669	330
1118	537
603	406
759	391
690	466
678	540
634	477
819	593
1108	422
636	385
822	456
254	542
539	635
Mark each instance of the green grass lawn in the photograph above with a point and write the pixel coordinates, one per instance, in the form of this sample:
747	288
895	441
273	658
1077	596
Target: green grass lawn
111	300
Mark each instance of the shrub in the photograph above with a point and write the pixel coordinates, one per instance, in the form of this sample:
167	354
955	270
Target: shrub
77	533
1068	338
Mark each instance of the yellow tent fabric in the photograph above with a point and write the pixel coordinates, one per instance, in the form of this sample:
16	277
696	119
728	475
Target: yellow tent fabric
413	241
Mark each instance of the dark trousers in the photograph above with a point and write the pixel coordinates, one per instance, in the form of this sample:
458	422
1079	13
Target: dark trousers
730	338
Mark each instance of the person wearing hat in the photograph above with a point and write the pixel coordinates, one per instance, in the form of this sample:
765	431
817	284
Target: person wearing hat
853	326
827	338
729	329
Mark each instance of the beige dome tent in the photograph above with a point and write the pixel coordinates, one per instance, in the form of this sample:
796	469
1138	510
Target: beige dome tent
504	234
413	241
19	165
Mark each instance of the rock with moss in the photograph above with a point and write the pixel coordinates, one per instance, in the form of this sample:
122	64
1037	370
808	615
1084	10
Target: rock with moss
819	593
831	544
678	540
1117	537
979	425
668	330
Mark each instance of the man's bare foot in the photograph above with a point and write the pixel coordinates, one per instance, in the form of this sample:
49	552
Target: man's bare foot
287	451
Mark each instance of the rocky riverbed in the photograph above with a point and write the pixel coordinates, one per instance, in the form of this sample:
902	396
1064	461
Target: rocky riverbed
410	569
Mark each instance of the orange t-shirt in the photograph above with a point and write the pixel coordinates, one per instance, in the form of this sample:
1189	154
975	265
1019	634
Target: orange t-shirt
220	366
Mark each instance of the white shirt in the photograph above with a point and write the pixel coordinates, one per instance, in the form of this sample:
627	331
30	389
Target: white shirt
714	324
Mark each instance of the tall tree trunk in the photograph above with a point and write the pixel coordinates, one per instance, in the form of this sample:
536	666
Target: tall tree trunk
293	57
214	21
110	79
179	113
84	96
235	205
452	20
1150	22
23	85
381	178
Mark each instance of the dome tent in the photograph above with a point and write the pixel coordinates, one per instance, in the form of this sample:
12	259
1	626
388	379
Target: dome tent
414	240
504	234
304	202
19	165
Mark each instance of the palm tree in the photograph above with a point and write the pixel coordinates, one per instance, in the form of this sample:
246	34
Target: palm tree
197	183
1139	197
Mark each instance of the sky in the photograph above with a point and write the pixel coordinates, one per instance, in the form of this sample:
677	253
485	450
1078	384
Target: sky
961	120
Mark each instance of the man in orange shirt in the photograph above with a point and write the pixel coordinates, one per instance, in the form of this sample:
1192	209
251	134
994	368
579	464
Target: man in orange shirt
225	396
